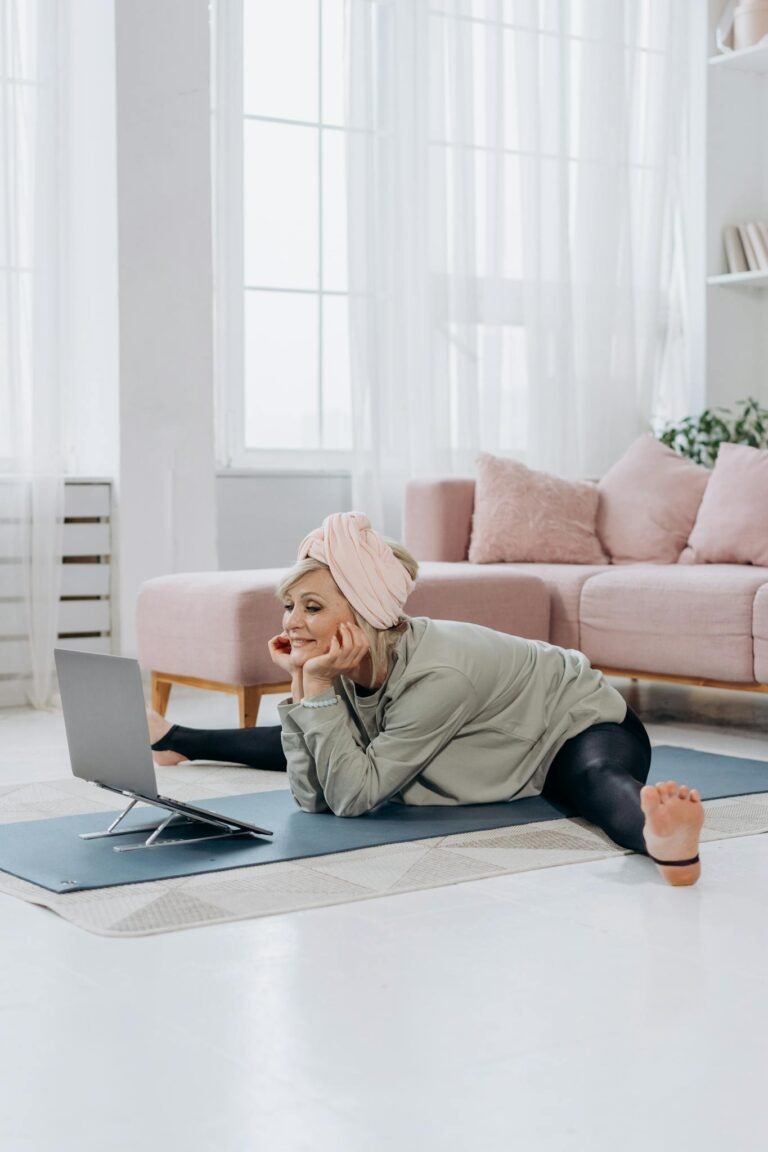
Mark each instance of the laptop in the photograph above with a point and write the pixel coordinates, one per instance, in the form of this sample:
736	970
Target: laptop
108	738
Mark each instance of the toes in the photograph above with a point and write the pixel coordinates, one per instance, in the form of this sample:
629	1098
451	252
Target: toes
667	790
695	795
650	798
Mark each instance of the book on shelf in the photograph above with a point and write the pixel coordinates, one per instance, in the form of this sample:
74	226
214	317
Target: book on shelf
762	228
735	257
746	247
749	251
759	246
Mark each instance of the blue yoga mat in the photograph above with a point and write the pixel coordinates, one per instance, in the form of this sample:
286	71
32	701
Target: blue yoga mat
51	854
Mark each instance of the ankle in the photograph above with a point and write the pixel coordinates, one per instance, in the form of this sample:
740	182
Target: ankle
680	877
165	743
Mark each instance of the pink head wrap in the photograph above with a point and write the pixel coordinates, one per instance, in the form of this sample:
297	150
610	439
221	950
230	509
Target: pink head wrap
363	565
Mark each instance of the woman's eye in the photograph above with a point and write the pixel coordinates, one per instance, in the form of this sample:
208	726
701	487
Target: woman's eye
313	607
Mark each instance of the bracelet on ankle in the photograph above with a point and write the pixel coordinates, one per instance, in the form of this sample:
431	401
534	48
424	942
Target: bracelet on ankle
674	863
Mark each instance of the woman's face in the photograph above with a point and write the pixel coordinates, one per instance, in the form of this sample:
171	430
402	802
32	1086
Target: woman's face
313	610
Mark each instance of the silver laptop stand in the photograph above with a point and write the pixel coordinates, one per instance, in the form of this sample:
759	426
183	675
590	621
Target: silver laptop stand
156	830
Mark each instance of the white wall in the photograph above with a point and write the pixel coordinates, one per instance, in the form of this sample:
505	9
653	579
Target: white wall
263	518
736	191
166	514
91	413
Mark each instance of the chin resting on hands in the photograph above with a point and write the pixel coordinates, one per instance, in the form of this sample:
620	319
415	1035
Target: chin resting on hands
349	647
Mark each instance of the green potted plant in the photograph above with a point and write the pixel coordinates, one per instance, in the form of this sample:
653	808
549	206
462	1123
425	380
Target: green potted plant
700	437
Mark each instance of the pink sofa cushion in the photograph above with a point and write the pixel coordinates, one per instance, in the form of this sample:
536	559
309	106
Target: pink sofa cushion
673	618
648	503
564	583
760	633
495	596
732	524
522	515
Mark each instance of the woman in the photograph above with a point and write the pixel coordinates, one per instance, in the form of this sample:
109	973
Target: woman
384	706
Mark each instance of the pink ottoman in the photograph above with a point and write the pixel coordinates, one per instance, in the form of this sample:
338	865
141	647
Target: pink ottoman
210	629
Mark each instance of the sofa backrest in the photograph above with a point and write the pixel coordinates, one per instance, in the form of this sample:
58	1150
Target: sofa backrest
437	517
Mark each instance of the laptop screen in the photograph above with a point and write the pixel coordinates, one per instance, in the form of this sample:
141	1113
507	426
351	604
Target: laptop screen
106	721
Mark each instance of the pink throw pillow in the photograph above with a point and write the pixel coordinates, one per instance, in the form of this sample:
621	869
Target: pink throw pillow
648	503
522	515
732	524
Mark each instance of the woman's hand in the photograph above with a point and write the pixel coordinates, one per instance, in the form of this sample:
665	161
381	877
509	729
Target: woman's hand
349	647
280	651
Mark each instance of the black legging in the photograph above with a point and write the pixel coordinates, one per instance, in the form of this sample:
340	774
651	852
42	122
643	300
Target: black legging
597	774
253	747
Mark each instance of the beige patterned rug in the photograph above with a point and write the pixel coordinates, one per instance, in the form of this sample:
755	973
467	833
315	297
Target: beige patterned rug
266	889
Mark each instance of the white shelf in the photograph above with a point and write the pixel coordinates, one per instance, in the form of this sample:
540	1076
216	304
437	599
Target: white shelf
746	279
754	59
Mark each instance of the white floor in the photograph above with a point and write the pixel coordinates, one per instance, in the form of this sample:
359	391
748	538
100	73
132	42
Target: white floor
586	1007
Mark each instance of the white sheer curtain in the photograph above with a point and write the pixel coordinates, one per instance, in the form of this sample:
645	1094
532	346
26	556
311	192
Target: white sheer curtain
604	88
513	178
33	103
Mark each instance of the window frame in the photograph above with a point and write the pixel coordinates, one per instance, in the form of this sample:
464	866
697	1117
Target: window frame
228	118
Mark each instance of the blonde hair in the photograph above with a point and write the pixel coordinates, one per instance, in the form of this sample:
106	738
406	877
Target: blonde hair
382	641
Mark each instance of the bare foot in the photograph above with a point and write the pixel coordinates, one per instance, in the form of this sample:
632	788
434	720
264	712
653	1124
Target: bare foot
158	726
674	816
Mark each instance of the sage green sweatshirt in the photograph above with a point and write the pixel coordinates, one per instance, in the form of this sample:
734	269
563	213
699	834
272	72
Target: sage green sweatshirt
467	715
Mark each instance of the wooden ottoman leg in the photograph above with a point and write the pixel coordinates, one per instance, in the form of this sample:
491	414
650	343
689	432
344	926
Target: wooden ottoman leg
248	700
161	691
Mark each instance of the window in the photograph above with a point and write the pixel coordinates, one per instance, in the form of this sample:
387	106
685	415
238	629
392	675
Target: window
519	168
295	367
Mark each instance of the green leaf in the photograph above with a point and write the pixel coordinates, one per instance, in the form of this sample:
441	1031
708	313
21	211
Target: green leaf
700	437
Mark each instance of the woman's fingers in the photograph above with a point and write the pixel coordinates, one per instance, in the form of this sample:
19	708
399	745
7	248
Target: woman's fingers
356	636
280	652
347	648
345	651
279	646
354	644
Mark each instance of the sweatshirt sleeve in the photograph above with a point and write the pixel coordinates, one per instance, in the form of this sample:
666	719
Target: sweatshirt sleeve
302	774
424	716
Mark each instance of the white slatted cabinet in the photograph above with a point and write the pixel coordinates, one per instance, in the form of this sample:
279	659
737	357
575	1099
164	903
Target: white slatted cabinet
85	605
85	609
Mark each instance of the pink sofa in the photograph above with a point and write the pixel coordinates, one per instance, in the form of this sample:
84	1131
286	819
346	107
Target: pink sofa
698	623
695	623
